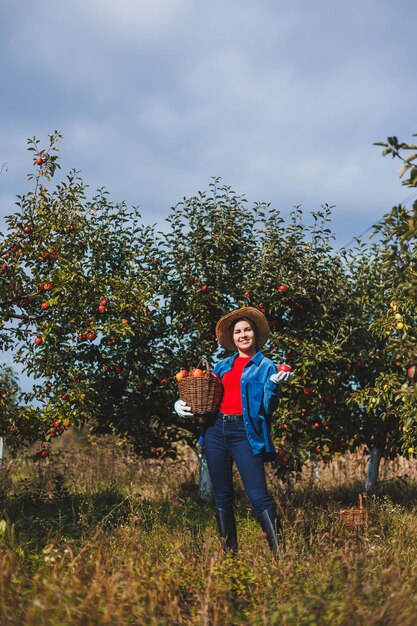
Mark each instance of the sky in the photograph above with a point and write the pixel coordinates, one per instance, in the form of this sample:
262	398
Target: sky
282	100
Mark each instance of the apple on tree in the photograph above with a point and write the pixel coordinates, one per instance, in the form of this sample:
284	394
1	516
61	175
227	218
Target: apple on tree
411	371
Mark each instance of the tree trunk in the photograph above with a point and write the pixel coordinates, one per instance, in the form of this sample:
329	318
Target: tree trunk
1	450
205	488
373	468
315	469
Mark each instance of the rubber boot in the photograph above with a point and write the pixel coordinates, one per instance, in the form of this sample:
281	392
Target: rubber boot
271	525
227	529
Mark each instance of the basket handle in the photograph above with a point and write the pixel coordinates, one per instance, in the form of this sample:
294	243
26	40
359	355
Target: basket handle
204	361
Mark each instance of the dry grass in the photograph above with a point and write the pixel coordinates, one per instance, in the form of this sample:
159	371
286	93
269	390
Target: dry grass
95	536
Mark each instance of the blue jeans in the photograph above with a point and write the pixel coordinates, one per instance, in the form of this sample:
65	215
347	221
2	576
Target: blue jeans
225	442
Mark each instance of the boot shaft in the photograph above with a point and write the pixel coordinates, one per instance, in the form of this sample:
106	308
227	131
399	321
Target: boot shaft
271	525
226	525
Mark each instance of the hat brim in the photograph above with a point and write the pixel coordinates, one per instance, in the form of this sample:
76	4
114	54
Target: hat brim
223	327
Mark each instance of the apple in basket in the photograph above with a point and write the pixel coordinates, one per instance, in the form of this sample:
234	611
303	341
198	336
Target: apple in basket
196	373
181	374
284	367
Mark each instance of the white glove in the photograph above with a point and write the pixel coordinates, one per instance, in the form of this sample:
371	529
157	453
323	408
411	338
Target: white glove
181	409
281	377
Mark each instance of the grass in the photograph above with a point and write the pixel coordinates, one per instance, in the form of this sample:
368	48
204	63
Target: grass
94	537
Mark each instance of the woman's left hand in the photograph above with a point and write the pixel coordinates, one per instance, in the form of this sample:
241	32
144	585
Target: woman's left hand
281	377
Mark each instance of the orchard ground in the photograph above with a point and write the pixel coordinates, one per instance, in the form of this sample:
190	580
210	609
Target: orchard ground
95	535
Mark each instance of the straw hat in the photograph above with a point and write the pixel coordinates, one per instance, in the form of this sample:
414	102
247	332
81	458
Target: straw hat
224	327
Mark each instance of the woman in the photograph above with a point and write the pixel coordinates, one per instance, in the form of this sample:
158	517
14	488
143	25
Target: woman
241	430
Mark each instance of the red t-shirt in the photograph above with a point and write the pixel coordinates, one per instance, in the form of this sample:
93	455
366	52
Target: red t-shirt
232	400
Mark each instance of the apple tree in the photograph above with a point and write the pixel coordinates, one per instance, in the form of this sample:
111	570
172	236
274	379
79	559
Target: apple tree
220	254
79	306
304	288
391	269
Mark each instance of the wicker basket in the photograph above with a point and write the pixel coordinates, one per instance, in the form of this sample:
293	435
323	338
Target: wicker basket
202	393
355	519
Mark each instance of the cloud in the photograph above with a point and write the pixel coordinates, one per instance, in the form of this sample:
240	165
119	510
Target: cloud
153	97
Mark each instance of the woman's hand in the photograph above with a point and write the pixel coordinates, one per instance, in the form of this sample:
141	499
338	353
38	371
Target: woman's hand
281	377
182	410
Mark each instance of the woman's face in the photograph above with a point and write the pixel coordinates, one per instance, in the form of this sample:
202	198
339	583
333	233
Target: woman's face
244	338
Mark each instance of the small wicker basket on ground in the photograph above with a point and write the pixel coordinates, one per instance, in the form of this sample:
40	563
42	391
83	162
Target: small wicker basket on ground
355	519
202	393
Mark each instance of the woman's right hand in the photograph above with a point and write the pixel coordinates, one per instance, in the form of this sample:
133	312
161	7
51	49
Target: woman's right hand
182	409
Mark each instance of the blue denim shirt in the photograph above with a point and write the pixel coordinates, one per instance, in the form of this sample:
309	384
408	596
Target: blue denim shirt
260	398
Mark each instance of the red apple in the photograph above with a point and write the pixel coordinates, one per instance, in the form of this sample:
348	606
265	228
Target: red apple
38	341
101	308
307	390
27	229
248	294
125	321
46	286
66	423
204	287
282	288
44	306
163	381
57	423
281	452
91	335
43	454
181	374
39	161
196	373
64	396
284	367
411	371
104	302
